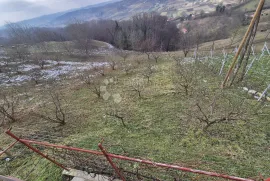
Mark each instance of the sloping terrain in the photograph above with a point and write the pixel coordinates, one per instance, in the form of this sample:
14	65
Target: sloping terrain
46	20
252	5
127	8
164	122
163	107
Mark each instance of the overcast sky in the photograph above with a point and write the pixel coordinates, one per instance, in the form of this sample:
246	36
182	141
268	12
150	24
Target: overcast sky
17	10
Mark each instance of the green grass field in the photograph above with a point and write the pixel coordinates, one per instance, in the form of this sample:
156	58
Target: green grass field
158	125
181	115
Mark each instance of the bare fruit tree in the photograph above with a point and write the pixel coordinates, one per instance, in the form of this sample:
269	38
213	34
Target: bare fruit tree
137	85
92	83
186	43
113	64
68	47
57	58
44	47
118	114
127	68
100	70
148	72
9	103
54	111
123	54
223	107
148	55
18	53
156	56
36	76
39	60
176	58
184	78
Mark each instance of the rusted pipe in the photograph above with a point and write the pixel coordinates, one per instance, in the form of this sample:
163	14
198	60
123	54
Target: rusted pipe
5	150
111	162
62	147
35	150
184	169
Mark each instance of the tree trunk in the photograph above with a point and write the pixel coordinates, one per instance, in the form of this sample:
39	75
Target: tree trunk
185	53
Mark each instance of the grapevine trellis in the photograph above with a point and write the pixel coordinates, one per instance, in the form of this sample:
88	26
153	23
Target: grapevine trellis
241	58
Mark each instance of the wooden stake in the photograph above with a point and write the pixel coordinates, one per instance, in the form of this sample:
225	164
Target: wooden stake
244	40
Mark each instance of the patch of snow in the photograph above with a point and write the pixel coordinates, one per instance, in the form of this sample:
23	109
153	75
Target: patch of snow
3	57
110	46
52	62
47	74
53	70
2	76
20	78
26	68
15	80
2	63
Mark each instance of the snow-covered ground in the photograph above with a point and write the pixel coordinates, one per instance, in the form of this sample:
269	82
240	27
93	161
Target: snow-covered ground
17	73
2	53
110	46
52	70
105	50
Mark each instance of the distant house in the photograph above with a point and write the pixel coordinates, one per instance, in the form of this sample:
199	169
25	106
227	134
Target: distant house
190	9
184	30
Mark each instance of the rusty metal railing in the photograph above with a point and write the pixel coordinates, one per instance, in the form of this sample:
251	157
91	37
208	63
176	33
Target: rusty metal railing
110	157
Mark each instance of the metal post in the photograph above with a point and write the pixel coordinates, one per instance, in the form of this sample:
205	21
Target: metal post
264	92
266	48
223	61
35	150
250	65
147	162
111	162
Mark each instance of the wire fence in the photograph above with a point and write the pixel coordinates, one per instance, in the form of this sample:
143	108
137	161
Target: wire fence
30	162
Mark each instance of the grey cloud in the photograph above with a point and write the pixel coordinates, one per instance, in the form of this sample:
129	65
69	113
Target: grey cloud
21	6
17	10
14	6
